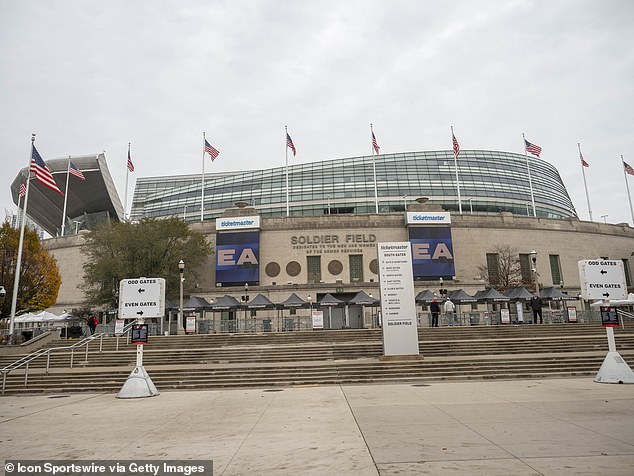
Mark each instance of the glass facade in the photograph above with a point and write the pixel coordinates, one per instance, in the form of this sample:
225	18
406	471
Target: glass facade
490	182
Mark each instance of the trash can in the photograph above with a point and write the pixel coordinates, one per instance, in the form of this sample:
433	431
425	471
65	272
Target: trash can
474	319
266	325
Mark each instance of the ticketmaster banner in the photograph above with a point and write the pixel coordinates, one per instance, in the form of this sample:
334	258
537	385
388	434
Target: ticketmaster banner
238	258
432	252
237	223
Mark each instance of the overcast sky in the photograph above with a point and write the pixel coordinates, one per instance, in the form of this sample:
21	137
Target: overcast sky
90	76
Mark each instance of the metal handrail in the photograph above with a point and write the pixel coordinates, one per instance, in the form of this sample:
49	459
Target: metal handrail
26	360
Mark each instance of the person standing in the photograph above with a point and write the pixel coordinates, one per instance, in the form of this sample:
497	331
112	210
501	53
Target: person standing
536	306
434	307
450	312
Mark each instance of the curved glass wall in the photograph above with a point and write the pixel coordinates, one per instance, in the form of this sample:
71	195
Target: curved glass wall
490	182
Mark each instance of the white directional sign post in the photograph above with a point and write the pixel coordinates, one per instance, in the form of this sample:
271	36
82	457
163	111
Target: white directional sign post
602	279
605	280
140	298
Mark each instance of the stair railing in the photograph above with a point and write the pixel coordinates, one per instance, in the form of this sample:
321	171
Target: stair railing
26	360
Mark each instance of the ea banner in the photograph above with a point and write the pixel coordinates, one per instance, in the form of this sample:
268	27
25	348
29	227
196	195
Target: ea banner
238	258
432	252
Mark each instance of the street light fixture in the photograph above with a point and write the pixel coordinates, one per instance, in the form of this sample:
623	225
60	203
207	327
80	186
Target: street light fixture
179	324
470	205
310	303
533	255
246	302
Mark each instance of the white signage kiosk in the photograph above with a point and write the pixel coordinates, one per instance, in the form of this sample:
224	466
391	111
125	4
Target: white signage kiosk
398	306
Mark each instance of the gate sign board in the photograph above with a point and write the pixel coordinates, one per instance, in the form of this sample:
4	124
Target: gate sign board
141	298
398	307
602	279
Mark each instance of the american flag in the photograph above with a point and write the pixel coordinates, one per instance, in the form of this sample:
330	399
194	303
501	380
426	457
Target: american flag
532	148
42	173
456	146
22	191
375	145
211	150
628	168
289	143
73	170
583	161
130	164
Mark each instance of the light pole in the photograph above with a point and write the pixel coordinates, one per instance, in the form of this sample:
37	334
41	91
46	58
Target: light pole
470	205
246	303
310	303
533	254
179	324
604	218
3	293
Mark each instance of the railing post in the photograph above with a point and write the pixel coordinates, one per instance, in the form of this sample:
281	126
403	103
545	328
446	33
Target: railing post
86	354
100	343
48	360
72	353
4	381
26	374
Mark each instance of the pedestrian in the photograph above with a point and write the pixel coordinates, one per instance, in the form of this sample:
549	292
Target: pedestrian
536	306
434	307
92	324
450	312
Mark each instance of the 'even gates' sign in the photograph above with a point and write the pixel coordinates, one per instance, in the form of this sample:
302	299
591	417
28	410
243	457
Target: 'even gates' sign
141	298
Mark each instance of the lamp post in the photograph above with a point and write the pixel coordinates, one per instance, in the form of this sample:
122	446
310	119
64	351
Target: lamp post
179	323
310	303
3	293
533	254
246	302
470	205
604	218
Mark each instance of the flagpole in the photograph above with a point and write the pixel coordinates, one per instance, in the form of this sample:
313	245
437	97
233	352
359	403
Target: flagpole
376	192
127	173
18	264
530	180
65	196
628	188
202	184
455	161
585	185
286	150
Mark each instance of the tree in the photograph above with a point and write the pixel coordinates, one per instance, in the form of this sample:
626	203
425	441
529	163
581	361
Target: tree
39	274
503	270
151	248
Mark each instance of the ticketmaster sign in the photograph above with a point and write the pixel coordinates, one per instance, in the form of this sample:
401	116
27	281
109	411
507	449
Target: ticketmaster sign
428	218
237	223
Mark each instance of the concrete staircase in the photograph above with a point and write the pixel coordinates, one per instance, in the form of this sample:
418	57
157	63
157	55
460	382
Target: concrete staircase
327	357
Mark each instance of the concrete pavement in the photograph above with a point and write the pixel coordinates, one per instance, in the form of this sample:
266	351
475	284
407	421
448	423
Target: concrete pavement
519	427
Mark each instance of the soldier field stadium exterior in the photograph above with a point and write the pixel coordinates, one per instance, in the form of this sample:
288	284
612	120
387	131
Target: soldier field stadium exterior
326	247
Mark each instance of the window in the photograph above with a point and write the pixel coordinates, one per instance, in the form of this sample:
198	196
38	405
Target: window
356	268
314	269
493	268
525	268
555	269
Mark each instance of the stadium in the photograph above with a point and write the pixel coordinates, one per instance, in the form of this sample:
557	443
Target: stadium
323	255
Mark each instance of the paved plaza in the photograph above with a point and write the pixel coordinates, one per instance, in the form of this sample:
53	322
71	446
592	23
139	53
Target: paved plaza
519	427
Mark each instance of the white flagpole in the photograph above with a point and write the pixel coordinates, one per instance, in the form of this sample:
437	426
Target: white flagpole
585	185
65	196
286	149
455	161
530	180
127	173
18	264
202	184
628	188
376	191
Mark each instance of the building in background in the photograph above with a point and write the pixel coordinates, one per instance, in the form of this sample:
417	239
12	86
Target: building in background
490	182
90	201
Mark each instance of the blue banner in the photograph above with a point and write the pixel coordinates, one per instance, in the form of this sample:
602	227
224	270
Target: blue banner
238	258
432	252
